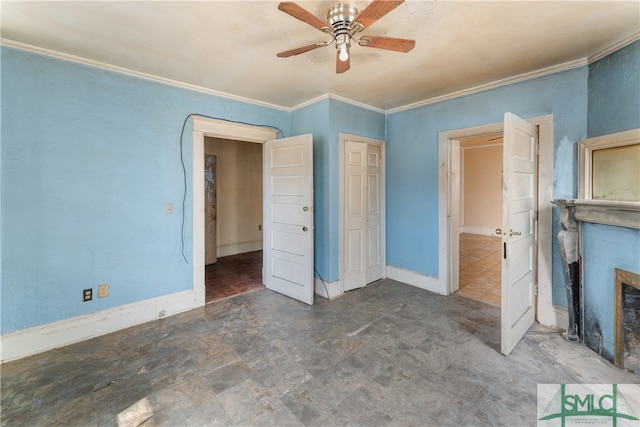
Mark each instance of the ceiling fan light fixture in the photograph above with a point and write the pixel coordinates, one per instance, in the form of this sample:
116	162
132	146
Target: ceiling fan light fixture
343	44
344	54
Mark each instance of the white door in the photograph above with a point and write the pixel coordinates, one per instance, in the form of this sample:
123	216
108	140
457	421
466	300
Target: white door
210	211
375	204
518	230
288	217
363	215
354	273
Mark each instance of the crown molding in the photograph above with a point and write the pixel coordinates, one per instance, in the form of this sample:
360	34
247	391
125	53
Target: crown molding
498	83
127	71
337	98
619	45
526	76
310	102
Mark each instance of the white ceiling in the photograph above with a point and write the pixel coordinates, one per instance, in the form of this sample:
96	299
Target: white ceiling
231	46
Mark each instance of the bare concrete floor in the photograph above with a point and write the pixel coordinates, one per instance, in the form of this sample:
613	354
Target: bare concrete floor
388	355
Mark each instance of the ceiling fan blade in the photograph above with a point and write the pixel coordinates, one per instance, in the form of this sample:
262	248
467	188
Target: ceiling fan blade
298	12
342	66
388	43
299	50
376	10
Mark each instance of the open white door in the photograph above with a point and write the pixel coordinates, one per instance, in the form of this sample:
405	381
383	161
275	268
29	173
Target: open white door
288	217
518	230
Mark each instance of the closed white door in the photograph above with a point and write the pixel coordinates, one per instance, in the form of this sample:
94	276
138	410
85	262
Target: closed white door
355	213
288	217
519	192
363	250
210	210
375	203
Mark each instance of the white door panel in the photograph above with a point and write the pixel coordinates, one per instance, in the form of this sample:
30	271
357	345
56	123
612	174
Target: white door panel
374	213
288	217
518	230
354	272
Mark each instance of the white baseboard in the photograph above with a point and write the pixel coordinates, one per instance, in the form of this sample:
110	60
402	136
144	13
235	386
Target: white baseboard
334	288
238	248
482	231
26	342
418	280
555	317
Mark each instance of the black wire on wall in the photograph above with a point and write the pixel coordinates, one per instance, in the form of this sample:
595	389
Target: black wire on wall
184	169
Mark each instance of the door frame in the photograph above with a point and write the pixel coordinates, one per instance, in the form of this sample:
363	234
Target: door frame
339	290
546	312
207	127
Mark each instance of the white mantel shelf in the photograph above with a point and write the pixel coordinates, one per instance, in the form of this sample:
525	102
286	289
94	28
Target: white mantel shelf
608	212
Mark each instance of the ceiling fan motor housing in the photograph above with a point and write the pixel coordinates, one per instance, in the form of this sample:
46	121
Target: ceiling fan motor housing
340	17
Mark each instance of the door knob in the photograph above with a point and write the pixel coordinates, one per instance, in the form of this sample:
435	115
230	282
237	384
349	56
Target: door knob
304	228
305	208
498	231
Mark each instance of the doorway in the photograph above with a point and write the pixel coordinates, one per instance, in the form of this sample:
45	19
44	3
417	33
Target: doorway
207	127
479	261
280	154
526	286
233	217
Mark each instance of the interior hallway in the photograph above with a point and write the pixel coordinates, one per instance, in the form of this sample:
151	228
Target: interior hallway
480	268
233	275
388	354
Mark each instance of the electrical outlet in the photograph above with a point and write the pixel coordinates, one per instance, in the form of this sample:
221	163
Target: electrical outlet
87	295
103	291
162	313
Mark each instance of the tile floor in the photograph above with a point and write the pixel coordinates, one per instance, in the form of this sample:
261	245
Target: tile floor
233	275
480	268
385	355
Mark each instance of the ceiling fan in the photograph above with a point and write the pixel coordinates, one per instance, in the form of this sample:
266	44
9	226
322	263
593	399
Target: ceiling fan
343	23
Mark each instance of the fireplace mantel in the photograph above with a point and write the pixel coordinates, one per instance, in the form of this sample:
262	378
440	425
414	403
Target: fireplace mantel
608	212
572	214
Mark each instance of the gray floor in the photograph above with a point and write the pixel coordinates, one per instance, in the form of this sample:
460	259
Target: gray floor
389	354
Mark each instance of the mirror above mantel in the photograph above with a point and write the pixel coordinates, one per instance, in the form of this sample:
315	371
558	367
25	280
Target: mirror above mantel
609	180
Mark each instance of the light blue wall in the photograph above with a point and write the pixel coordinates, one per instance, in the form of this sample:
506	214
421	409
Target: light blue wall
326	119
614	106
412	159
614	92
89	159
314	119
604	248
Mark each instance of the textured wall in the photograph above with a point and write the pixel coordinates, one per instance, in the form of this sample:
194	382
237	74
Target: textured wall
614	92
482	188
326	119
89	159
412	159
614	106
239	191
